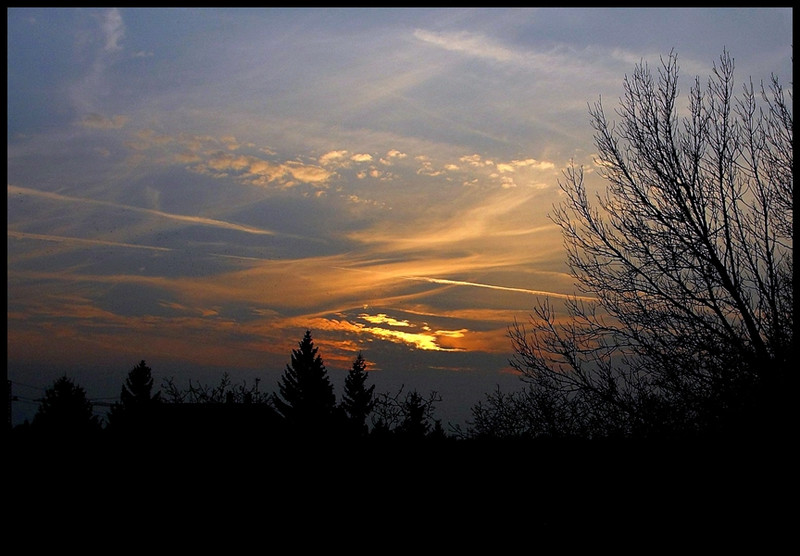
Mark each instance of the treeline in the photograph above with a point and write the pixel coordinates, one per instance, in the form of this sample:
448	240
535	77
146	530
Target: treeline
304	408
216	450
206	446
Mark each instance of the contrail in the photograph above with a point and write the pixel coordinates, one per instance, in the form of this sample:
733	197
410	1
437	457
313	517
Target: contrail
494	287
476	285
70	239
153	212
67	239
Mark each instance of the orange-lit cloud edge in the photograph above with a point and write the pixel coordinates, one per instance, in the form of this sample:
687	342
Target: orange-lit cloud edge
197	326
436	255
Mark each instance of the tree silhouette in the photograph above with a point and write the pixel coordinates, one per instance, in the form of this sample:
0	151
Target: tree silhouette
408	417
526	413
65	413
306	398
224	392
136	399
688	256
414	424
357	399
227	413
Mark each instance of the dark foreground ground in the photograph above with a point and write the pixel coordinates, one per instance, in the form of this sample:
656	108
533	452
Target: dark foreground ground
546	496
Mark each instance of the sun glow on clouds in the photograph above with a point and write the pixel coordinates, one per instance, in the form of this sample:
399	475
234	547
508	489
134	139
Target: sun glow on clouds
434	253
428	341
425	339
260	172
382	178
382	318
224	158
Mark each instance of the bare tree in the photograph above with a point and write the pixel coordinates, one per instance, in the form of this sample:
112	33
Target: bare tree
409	416
224	392
688	253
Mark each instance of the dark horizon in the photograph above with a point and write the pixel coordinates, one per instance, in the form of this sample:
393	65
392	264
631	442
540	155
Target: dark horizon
459	391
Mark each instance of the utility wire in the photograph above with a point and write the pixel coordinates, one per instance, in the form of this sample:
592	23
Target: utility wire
14	382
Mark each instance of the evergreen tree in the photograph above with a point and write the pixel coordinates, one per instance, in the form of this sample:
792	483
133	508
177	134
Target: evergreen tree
65	412
135	398
415	424
306	399
357	400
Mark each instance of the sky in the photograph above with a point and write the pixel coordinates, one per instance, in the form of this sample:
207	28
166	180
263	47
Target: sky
196	188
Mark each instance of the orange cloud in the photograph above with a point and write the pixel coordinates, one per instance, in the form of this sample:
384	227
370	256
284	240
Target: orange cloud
333	157
382	318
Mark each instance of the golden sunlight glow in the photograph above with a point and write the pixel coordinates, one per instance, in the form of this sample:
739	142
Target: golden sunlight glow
204	221
382	318
426	340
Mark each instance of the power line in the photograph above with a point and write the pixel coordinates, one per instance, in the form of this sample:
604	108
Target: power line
27	385
102	402
26	400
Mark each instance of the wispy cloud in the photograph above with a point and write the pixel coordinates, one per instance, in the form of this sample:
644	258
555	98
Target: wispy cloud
381	177
472	221
471	44
88	89
188	219
97	121
113	29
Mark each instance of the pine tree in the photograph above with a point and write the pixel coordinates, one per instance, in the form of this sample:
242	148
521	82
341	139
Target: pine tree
415	424
306	400
135	398
357	400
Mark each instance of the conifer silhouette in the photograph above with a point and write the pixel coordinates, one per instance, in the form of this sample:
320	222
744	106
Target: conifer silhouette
135	398
357	400
415	423
306	397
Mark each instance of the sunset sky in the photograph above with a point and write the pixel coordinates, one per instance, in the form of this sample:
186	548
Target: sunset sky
197	187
